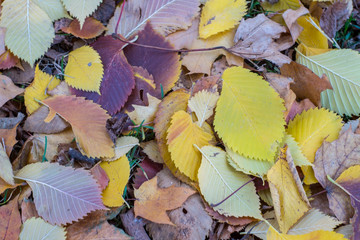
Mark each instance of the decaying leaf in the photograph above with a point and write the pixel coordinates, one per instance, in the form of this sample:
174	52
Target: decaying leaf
8	90
203	104
10	220
255	39
217	180
118	172
84	70
87	120
36	228
257	125
218	16
181	137
91	28
152	202
332	159
166	16
73	197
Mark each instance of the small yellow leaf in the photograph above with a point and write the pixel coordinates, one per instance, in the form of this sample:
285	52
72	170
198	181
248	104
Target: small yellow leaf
145	114
203	104
182	135
272	234
122	146
84	69
220	15
37	90
118	172
285	193
311	36
309	130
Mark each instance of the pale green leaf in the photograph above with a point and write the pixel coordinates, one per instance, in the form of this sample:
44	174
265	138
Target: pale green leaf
217	180
342	69
38	229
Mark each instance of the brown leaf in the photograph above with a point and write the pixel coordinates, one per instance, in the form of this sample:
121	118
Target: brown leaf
290	16
90	29
255	39
335	16
8	90
332	159
10	220
307	84
152	202
87	120
35	122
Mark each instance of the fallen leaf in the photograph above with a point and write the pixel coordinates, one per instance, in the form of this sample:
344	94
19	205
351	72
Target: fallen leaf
151	149
87	120
309	129
255	39
218	16
331	160
307	84
118	172
42	230
203	104
163	66
165	16
6	171
285	192
334	17
349	180
123	145
8	90
152	202
182	134
84	70
249	134
75	197
318	235
10	220
118	80
217	180
145	115
147	170
172	103
91	28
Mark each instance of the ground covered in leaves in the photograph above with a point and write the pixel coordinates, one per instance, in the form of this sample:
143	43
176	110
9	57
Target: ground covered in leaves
179	119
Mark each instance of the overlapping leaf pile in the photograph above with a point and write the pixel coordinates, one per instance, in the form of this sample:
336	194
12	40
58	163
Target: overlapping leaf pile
200	144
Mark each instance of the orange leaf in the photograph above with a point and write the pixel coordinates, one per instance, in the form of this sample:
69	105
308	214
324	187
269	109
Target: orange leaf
152	202
10	220
87	120
91	28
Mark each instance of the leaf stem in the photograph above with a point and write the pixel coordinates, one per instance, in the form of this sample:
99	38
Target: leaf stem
222	201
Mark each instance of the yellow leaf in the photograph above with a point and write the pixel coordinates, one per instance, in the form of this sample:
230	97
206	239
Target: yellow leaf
272	234
118	172
84	69
220	15
203	104
281	5
217	180
37	91
249	115
145	114
285	193
309	130
311	36
181	137
29	30
123	145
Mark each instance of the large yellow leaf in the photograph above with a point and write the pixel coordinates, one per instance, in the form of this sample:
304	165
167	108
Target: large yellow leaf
318	235
88	121
220	15
285	193
249	115
84	69
37	91
311	36
309	129
118	172
182	135
29	30
81	8
217	180
37	228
